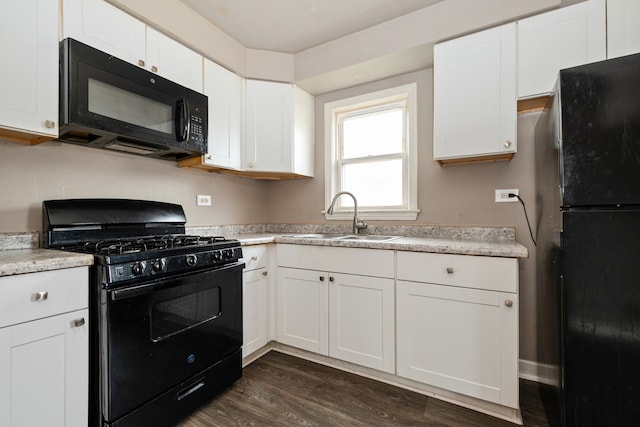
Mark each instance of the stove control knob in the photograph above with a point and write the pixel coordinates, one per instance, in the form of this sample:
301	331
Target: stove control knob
228	253
217	256
158	265
191	260
137	268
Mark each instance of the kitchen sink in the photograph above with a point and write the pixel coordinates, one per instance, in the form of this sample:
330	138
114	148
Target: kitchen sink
338	236
318	236
370	237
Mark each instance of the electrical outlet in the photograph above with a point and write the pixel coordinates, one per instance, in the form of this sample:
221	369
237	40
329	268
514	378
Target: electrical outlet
502	196
203	200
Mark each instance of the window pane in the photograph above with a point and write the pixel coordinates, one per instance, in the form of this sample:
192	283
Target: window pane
372	134
373	183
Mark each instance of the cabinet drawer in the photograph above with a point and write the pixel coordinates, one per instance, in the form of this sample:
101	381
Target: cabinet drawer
33	296
490	273
254	257
364	262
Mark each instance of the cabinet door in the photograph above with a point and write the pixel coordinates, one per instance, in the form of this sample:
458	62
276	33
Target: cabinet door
173	60
361	320
475	95
464	340
562	38
623	31
225	91
254	310
105	27
269	126
44	366
29	74
303	304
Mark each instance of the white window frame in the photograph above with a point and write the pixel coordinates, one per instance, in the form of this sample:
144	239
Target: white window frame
410	179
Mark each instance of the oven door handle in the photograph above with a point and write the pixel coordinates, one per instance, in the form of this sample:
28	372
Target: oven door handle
134	291
120	294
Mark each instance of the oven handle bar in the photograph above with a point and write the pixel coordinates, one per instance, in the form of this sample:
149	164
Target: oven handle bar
134	291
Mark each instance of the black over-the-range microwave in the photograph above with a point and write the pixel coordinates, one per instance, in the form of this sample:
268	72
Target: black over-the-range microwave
108	103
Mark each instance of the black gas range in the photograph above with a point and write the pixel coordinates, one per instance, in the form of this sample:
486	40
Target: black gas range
165	312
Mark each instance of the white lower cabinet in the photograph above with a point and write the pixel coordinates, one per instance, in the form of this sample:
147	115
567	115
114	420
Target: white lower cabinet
303	309
44	352
361	320
453	335
255	299
347	316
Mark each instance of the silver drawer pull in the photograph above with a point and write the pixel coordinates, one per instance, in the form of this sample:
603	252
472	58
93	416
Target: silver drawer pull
40	296
254	258
264	273
449	270
508	303
78	322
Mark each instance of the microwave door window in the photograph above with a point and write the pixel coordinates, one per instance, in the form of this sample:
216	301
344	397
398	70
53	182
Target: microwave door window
119	104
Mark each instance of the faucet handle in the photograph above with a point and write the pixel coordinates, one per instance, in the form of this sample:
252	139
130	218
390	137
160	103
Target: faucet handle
360	226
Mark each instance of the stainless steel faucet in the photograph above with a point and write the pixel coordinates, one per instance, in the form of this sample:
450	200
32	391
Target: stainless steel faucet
359	226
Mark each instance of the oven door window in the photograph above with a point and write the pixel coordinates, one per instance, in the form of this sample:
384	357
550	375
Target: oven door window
170	317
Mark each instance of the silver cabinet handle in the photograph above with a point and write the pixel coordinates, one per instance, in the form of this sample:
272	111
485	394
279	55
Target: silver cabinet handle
78	322
49	124
264	273
507	144
508	303
322	278
449	270
254	258
154	69
141	62
40	296
332	279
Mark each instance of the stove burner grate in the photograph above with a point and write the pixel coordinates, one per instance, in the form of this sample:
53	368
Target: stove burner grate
144	244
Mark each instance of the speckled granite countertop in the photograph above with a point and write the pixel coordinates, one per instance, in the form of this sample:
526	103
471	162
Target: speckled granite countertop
20	261
19	252
497	248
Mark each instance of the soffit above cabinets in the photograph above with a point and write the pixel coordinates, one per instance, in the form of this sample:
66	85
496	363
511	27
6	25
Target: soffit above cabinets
291	26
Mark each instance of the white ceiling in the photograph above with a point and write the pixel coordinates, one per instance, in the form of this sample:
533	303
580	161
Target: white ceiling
291	26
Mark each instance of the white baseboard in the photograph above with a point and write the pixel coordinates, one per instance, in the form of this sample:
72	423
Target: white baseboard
539	372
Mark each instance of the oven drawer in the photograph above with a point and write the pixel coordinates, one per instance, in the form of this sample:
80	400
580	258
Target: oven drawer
466	271
31	296
254	257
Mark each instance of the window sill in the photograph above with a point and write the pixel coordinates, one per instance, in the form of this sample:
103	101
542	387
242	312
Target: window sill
400	215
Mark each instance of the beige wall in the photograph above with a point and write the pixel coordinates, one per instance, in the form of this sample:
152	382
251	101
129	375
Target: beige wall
452	195
29	175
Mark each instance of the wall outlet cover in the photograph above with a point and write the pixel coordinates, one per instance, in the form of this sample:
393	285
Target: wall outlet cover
502	196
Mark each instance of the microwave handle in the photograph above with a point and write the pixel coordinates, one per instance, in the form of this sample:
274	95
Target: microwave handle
183	124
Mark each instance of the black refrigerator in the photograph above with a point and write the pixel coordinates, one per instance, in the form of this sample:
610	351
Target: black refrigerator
588	253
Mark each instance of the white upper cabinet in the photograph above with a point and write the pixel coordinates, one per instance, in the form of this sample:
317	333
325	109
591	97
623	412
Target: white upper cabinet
109	29
475	96
225	91
623	29
106	28
279	129
29	75
562	38
173	61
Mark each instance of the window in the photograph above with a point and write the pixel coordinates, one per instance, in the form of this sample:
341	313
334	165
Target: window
370	151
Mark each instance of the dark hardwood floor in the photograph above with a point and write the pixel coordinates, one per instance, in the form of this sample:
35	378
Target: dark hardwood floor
282	390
